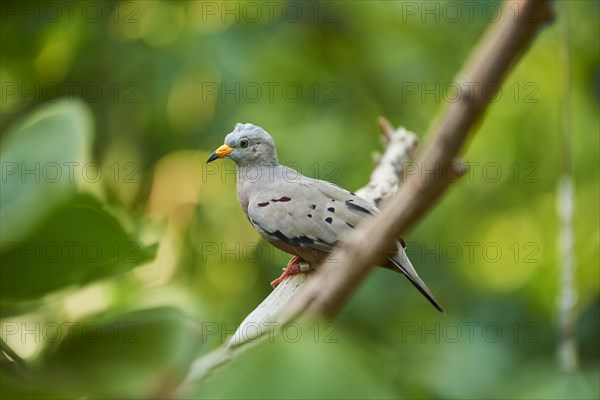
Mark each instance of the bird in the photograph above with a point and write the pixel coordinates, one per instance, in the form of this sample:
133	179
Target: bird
303	216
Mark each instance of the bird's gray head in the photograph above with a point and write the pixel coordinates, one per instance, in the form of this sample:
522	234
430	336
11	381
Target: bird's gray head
247	145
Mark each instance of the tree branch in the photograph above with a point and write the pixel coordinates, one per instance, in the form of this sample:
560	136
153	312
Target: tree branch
502	45
324	293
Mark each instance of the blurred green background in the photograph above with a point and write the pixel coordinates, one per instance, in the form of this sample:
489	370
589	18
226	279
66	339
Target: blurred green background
125	257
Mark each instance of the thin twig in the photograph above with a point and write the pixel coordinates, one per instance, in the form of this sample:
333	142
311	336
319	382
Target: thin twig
567	317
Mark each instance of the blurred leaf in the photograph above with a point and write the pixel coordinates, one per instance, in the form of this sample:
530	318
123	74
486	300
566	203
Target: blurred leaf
14	388
140	354
298	365
53	236
76	244
39	159
544	380
19	308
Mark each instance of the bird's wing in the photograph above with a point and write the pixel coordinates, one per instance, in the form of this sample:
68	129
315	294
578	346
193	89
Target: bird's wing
306	213
309	215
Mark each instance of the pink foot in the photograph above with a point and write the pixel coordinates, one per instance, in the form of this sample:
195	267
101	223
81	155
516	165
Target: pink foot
294	267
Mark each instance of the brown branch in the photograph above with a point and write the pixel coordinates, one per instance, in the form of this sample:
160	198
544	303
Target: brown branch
502	46
325	292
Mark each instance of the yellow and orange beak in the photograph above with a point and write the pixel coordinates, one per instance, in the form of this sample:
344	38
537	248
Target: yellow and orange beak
221	152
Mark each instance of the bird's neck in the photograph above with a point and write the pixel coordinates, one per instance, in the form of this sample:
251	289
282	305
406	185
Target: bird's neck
258	172
251	179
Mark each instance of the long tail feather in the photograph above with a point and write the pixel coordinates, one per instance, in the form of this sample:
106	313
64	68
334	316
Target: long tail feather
401	261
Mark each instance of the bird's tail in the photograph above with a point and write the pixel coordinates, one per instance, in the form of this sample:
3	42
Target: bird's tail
401	261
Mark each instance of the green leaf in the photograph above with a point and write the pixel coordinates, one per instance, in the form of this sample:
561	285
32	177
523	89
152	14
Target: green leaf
298	364
144	353
76	244
42	161
52	235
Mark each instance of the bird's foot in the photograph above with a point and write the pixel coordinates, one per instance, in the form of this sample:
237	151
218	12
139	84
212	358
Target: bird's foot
295	266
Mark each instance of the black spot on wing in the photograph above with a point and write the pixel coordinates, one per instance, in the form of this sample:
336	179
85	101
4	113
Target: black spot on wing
358	208
309	215
263	204
313	206
350	225
331	209
283	199
300	241
332	244
305	240
329	220
279	235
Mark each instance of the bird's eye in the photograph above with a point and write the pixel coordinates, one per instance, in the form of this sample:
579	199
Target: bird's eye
244	143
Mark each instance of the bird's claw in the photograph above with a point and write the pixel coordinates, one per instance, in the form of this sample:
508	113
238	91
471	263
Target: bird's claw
295	266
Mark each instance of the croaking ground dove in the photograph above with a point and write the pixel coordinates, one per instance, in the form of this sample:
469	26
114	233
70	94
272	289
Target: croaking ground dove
302	216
